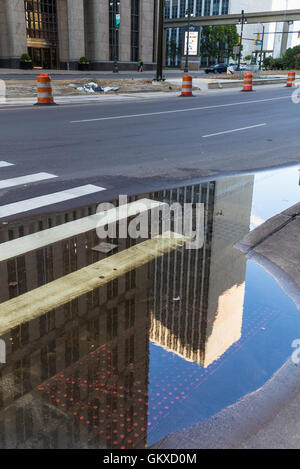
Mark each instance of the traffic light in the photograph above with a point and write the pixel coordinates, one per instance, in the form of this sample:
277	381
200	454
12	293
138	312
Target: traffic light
258	36
240	39
255	42
299	34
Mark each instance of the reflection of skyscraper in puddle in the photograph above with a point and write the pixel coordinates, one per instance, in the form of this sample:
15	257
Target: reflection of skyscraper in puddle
198	295
69	380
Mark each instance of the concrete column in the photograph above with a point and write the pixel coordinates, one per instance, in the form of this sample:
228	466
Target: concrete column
125	31
97	29
76	30
16	30
146	30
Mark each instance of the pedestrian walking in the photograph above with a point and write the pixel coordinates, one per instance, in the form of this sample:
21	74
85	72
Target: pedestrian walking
140	66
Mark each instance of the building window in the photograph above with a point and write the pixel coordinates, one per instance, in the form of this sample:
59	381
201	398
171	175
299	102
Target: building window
41	19
190	5
135	30
198	7
225	7
182	9
175	10
207	7
167	8
114	38
216	7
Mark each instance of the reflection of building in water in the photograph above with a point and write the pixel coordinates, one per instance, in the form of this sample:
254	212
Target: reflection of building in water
69	380
210	282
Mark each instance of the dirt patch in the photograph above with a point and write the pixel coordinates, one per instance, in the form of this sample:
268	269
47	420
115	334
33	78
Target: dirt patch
28	88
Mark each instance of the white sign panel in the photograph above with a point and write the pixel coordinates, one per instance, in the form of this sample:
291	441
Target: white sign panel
193	42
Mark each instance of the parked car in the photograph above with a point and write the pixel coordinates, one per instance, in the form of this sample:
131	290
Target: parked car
219	68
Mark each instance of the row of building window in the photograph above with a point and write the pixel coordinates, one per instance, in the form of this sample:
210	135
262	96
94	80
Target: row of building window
178	8
41	23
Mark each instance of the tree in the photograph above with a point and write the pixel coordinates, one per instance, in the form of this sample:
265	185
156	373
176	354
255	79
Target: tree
289	59
217	42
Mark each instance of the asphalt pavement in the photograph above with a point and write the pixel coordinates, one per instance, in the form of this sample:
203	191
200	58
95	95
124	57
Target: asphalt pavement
143	145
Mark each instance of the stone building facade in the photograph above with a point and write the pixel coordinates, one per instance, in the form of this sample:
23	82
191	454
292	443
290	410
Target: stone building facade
57	33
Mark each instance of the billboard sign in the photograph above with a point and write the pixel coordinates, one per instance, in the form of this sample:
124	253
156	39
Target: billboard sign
193	42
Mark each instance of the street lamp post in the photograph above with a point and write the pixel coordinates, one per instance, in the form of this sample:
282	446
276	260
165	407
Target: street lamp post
188	15
115	8
243	20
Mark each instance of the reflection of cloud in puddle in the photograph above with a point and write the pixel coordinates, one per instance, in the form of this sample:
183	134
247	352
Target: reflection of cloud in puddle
255	222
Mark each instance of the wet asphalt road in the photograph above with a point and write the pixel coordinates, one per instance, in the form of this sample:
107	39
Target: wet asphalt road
138	146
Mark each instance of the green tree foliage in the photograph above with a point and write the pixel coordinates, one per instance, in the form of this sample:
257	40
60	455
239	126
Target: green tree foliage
273	64
290	58
217	42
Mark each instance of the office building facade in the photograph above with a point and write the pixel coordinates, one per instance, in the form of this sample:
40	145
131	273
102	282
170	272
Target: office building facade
57	33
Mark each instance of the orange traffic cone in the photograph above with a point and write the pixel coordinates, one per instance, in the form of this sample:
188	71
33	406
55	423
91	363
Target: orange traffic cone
248	79
45	92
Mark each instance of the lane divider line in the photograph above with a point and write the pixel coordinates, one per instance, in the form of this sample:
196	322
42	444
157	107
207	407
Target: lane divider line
234	130
5	164
202	108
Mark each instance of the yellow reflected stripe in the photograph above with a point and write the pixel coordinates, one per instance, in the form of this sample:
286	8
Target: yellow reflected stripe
37	302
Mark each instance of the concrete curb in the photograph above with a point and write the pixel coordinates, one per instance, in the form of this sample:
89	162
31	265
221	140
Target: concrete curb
239	84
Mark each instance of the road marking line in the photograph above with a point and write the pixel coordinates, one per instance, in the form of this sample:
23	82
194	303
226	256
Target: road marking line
49	199
5	183
234	130
39	301
21	246
180	110
4	164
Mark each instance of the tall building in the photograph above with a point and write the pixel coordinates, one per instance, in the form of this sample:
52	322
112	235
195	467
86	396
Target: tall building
57	33
209	283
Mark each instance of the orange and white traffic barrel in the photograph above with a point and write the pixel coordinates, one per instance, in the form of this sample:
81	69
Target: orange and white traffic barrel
291	79
45	91
248	82
187	85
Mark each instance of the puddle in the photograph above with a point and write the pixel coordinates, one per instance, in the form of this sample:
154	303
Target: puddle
164	339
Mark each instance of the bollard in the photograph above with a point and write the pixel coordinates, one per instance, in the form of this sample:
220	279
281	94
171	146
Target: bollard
248	78
291	79
45	92
187	85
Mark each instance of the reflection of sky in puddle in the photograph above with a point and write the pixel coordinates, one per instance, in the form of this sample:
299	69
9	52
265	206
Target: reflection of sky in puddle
156	350
182	393
282	185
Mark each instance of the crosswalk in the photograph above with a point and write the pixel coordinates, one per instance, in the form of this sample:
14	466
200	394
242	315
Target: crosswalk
46	200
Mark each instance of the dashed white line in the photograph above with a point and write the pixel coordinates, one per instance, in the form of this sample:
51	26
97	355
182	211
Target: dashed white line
234	130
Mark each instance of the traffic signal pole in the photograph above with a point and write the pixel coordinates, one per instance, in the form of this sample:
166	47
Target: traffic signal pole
262	48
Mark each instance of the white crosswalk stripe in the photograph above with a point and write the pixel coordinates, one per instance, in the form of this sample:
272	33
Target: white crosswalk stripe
5	164
49	199
32	242
31	178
